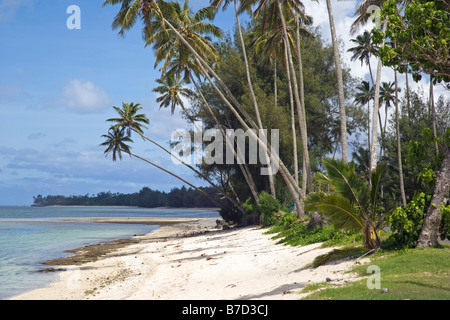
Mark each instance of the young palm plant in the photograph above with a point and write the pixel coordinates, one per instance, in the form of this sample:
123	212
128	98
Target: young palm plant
353	204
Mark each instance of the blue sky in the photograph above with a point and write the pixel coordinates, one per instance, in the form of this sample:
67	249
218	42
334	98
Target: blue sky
57	87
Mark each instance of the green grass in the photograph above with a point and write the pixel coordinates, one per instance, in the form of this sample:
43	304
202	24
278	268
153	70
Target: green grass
408	274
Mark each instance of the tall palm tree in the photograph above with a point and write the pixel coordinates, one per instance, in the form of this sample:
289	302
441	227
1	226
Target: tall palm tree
131	121
148	17
363	96
340	84
363	50
116	142
388	97
224	4
363	15
171	92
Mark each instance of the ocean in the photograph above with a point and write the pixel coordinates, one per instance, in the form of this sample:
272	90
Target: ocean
31	235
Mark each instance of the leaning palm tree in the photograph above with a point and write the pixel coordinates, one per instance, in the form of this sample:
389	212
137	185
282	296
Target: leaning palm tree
148	17
274	15
353	203
116	143
224	4
132	122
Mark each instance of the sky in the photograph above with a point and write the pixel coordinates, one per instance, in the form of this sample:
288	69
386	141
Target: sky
58	86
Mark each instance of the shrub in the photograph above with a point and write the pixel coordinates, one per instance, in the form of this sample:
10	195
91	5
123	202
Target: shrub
268	206
406	223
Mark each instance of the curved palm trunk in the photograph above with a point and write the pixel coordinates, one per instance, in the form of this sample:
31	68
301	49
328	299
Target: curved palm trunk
266	146
315	216
252	93
340	83
178	177
195	170
248	178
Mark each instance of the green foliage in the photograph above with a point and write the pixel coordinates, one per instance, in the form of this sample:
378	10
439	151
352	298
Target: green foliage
419	38
353	204
406	223
268	206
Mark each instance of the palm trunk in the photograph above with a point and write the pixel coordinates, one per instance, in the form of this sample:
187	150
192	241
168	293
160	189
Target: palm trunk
275	85
376	105
399	149
368	126
408	101
294	133
433	118
302	120
252	93
248	178
193	169
340	84
266	146
178	177
302	101
315	217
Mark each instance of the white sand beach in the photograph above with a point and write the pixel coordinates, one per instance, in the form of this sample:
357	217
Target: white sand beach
242	263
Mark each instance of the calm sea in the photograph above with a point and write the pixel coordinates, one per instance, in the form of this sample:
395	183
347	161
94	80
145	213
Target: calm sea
31	235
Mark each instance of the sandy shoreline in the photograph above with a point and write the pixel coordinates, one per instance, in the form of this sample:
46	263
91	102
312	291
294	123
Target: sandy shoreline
193	260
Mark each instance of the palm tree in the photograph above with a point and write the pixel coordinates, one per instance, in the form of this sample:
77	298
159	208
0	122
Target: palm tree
224	4
363	50
116	142
387	96
353	203
363	15
194	29
131	122
207	71
340	83
364	96
129	119
171	92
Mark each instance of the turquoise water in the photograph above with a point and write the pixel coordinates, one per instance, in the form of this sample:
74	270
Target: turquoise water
31	235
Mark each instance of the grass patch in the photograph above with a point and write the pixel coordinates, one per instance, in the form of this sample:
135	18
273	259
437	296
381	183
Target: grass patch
416	274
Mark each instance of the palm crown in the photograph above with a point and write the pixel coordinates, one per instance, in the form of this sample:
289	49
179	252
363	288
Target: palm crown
129	118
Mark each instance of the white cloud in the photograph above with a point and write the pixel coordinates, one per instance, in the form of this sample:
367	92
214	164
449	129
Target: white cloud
85	97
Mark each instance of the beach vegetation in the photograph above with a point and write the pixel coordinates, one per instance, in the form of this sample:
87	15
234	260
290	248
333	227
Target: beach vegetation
276	72
353	203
